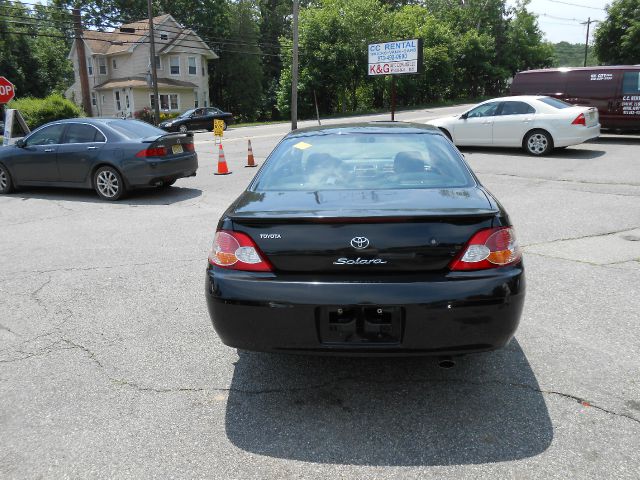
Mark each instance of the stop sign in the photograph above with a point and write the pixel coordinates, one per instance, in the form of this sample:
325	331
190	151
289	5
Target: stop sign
7	90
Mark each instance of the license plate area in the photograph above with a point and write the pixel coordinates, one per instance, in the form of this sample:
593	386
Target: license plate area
177	148
357	324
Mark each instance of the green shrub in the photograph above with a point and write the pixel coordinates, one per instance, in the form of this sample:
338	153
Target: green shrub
38	111
168	116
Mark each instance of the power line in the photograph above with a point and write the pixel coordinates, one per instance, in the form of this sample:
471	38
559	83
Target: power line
576	5
62	36
560	23
33	22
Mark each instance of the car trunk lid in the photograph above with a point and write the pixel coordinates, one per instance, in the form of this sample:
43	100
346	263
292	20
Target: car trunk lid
173	143
357	231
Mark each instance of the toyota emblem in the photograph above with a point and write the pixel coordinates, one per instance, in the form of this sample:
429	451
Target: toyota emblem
359	242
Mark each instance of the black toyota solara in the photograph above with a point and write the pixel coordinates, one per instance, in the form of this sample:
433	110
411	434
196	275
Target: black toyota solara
371	239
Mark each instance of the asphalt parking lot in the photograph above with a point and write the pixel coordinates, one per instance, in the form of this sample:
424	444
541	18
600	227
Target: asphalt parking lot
110	368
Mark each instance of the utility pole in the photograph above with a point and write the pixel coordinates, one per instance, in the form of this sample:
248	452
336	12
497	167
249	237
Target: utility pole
294	68
82	61
154	71
586	41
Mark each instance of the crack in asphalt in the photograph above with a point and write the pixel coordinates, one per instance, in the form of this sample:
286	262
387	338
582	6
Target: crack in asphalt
102	267
39	289
559	180
332	383
46	350
590	235
39	220
4	327
91	355
584	262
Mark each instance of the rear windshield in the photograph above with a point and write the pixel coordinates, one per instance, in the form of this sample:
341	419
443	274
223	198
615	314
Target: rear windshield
348	161
554	102
134	129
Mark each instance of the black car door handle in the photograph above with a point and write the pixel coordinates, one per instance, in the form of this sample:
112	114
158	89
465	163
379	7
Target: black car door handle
49	150
92	148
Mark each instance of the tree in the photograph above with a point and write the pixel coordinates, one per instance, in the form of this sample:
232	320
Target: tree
33	49
572	55
237	77
617	39
275	22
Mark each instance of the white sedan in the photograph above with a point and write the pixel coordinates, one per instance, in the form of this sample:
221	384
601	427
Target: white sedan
537	124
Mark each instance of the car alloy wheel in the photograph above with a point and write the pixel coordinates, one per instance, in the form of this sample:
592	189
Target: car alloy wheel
538	143
183	129
109	184
5	181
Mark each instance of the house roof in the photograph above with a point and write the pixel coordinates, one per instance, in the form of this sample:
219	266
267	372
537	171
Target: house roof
116	42
138	82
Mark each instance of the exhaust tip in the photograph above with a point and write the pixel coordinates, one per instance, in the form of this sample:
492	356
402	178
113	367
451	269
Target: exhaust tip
446	363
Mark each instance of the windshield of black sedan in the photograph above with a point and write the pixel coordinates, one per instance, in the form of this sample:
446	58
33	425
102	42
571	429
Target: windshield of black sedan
348	161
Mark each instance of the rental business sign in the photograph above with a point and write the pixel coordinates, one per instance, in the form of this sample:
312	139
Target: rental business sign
394	58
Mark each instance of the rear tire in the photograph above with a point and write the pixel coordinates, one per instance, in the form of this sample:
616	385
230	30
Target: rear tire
183	129
224	125
109	184
538	143
6	185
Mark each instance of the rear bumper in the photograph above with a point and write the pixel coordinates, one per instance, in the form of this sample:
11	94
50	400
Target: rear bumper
142	173
441	314
577	135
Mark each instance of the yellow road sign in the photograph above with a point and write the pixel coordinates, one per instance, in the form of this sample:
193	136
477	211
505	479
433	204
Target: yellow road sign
218	127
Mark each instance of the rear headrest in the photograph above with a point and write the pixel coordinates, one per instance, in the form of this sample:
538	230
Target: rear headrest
320	160
408	162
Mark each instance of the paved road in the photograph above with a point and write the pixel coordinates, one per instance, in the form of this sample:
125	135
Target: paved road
109	366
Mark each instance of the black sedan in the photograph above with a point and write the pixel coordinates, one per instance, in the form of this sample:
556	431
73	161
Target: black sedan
367	239
108	155
197	119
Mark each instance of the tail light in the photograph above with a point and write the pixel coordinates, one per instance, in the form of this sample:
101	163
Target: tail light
188	147
237	251
580	120
490	248
152	152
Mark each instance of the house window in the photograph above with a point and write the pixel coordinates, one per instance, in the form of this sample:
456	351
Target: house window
89	66
102	65
206	98
118	106
173	100
163	36
174	63
193	70
94	99
167	101
126	100
195	99
204	66
158	62
115	64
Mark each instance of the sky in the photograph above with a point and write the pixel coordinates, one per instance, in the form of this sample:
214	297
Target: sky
560	20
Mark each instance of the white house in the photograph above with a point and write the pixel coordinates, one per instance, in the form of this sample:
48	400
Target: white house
118	66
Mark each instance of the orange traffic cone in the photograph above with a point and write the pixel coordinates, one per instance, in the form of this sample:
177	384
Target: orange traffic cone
250	160
222	163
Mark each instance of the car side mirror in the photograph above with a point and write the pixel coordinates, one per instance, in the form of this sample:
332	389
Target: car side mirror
20	143
464	116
